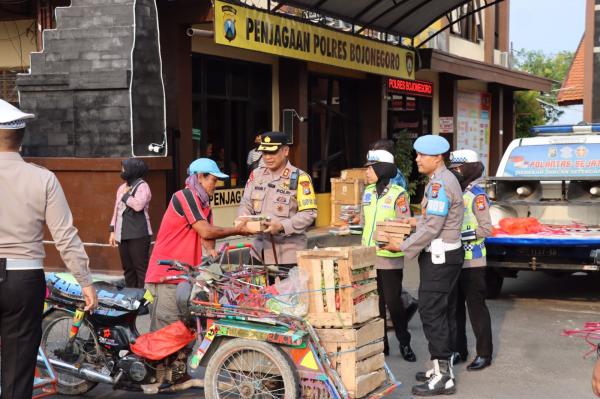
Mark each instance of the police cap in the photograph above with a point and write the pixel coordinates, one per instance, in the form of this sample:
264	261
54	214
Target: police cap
272	141
431	145
11	117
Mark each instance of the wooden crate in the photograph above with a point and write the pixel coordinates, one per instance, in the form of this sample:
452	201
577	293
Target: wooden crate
343	285
357	355
347	191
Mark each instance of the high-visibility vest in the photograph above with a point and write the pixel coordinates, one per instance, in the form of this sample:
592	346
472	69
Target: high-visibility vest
473	249
378	210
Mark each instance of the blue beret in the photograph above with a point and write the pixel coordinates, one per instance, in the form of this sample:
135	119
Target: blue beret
431	145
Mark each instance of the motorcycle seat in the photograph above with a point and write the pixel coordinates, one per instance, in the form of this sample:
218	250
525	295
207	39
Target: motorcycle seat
63	285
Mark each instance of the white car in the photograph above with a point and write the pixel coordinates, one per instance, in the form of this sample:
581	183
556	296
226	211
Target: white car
553	177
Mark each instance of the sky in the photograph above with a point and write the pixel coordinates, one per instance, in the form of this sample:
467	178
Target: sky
548	25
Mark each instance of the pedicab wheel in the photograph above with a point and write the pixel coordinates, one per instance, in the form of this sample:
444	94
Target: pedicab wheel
244	368
55	338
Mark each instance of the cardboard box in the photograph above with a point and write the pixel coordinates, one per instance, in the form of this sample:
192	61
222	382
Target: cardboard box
394	227
347	191
354	174
254	223
341	213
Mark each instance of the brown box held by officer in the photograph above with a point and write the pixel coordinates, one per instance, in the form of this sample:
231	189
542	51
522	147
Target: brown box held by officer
254	223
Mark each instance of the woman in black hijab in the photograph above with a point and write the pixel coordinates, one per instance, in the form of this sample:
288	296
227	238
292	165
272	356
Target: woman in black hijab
130	224
382	200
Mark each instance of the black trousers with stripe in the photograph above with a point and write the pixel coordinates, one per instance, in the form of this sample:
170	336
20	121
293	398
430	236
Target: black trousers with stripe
22	296
435	305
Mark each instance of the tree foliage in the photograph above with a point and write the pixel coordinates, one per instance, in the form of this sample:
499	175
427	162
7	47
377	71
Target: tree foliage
533	108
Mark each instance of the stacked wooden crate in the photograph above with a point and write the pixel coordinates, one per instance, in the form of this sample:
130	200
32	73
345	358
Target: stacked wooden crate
346	195
343	308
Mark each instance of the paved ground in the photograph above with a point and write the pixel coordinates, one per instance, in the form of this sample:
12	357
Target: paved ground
532	360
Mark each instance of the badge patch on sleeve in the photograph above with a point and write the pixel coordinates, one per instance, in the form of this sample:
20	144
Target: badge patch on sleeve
305	194
435	190
401	204
480	202
438	202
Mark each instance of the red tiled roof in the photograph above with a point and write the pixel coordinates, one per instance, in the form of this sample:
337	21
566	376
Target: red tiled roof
571	91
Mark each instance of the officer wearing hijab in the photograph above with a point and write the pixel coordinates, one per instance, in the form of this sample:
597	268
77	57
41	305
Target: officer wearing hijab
471	287
31	198
382	200
437	243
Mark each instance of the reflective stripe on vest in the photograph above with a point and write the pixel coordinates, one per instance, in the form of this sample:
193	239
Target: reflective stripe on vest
378	210
473	249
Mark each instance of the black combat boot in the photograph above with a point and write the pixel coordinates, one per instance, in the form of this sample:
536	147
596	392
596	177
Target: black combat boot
440	382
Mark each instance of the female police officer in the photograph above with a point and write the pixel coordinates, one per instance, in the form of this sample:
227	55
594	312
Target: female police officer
471	286
384	200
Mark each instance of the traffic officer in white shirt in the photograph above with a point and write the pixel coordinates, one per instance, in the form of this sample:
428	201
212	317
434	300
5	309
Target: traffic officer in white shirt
31	198
437	243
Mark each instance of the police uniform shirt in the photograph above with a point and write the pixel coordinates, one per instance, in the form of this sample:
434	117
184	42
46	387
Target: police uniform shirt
32	196
481	210
443	211
270	194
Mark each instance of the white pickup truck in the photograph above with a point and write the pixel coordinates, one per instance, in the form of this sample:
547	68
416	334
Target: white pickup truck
553	177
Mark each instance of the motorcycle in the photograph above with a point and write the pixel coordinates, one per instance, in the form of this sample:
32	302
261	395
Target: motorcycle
248	352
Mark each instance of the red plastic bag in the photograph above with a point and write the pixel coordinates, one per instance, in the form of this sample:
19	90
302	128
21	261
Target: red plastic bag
515	226
164	342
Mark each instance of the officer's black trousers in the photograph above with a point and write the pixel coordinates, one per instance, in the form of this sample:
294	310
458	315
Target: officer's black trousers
436	285
21	305
471	289
389	287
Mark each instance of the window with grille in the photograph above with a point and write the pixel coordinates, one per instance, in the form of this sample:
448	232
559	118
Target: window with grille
467	21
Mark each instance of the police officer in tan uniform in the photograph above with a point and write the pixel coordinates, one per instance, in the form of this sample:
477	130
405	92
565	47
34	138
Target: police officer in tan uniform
31	198
284	193
437	243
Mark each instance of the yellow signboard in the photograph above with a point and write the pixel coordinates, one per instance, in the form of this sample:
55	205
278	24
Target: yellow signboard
252	29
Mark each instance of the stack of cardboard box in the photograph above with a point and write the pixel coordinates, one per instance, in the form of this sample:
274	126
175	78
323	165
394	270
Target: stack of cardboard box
346	195
391	232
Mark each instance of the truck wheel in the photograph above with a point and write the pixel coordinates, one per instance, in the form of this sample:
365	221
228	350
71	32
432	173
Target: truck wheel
493	281
245	368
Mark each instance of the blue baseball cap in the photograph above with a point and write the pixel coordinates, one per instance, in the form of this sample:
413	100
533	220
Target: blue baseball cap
431	145
206	165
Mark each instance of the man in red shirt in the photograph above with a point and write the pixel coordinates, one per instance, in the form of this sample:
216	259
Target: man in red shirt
186	223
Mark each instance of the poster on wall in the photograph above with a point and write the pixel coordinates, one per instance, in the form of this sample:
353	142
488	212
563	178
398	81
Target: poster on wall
473	124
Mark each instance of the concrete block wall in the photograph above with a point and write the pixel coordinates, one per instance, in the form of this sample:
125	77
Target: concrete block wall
80	86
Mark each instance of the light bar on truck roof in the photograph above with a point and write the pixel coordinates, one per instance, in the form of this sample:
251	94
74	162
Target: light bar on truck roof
561	129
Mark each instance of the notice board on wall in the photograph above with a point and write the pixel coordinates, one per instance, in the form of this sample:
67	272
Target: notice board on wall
473	124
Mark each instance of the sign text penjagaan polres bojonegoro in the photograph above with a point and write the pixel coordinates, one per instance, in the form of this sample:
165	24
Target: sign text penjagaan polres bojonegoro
253	29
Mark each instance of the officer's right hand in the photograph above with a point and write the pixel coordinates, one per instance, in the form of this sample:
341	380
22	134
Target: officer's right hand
112	241
91	298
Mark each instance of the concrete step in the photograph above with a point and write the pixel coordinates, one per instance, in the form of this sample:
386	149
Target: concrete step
84	3
94	16
102	32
